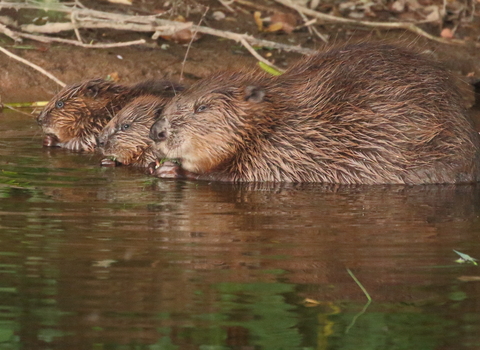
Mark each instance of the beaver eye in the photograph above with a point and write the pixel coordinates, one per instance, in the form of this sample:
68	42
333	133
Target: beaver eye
125	126
59	104
201	108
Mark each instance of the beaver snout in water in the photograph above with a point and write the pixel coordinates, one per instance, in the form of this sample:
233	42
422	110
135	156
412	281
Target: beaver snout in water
76	115
358	114
125	138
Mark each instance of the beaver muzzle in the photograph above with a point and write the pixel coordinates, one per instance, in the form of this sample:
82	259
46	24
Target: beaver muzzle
158	131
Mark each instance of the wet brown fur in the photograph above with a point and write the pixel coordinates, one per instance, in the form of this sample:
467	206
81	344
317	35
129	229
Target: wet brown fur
125	137
87	108
359	114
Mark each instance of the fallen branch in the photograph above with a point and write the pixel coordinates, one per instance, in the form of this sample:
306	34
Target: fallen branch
17	110
387	25
49	39
86	18
33	65
170	29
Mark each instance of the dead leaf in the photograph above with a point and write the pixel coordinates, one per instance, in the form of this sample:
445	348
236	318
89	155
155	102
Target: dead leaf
218	15
183	36
447	33
275	27
414	5
433	14
113	77
123	2
288	21
180	18
314	4
398	6
310	302
257	16
469	278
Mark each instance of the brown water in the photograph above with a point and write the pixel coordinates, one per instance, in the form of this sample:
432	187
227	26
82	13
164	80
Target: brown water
95	258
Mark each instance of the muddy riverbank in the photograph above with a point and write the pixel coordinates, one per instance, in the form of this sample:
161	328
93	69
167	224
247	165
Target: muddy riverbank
163	58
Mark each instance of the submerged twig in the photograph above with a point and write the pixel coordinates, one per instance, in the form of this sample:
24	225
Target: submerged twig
366	305
33	65
17	110
359	284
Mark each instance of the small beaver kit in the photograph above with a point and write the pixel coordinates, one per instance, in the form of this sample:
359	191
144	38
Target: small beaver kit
358	114
124	140
76	115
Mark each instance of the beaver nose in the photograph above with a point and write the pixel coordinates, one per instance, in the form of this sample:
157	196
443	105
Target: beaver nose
100	141
40	118
158	131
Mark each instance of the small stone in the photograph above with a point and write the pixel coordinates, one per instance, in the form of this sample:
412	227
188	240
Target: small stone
218	15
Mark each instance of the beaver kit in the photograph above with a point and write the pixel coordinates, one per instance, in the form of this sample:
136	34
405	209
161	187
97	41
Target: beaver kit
359	114
76	115
124	140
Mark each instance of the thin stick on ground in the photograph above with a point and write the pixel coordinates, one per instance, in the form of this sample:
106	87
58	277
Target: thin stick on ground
33	65
75	29
49	39
257	56
194	34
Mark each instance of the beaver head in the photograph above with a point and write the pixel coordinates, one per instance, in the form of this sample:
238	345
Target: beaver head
207	124
74	117
125	137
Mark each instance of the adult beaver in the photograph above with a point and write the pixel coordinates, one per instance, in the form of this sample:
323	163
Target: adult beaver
125	138
76	115
359	114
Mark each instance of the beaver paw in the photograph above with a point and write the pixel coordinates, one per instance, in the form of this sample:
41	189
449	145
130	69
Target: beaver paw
169	170
108	162
152	167
50	141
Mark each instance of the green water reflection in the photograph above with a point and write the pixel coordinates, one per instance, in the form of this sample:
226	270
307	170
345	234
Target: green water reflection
94	258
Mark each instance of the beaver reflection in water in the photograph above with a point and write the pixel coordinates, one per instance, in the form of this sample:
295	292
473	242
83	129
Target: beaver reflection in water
124	140
76	115
359	114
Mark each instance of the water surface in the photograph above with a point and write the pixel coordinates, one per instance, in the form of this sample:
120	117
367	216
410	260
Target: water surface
102	258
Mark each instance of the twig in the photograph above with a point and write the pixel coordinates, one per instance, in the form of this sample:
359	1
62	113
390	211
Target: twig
257	56
87	18
48	39
17	110
169	29
33	65
255	6
77	32
226	4
311	29
194	34
359	284
388	25
10	33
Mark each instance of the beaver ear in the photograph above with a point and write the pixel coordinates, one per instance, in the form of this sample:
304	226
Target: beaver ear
158	112
254	94
92	89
